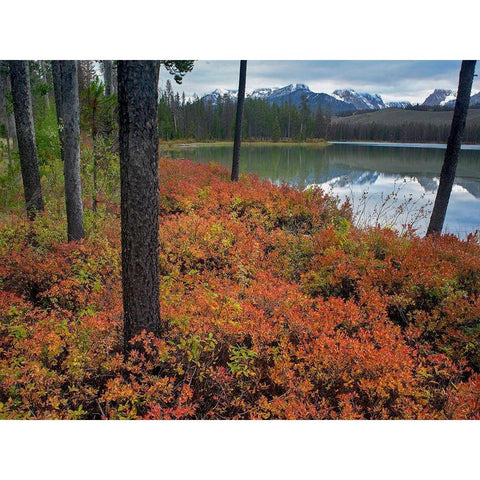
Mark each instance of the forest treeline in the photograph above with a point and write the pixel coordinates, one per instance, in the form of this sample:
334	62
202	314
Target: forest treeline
405	132
203	120
200	119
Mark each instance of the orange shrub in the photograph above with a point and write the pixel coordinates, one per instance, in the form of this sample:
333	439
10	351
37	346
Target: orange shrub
275	306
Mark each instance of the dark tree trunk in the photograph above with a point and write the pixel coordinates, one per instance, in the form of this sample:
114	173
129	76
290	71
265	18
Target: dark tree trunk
68	112
137	95
95	163
110	89
108	76
57	90
11	118
22	107
238	121
3	99
447	175
43	68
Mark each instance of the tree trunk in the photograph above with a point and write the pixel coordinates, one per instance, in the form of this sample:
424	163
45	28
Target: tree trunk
238	121
108	76
447	175
137	95
45	82
11	119
22	107
115	78
57	90
66	94
3	100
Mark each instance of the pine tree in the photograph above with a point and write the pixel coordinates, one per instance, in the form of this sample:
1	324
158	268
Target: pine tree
276	130
66	93
137	97
22	107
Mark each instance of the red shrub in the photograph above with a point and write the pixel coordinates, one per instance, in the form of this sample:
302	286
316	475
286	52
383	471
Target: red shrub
275	307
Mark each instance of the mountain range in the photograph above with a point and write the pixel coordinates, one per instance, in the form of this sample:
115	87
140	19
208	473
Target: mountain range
346	100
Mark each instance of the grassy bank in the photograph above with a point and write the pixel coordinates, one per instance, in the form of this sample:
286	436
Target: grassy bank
181	144
274	306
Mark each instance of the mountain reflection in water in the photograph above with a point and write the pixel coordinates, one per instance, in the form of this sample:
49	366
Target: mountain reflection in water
365	173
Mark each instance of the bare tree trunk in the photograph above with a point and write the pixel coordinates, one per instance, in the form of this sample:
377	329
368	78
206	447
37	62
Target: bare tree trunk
114	78
95	163
238	121
137	95
447	175
22	107
66	92
45	82
3	99
108	78
11	118
57	90
110	89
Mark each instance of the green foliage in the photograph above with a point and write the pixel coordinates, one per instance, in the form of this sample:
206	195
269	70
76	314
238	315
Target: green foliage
202	120
97	111
46	136
178	68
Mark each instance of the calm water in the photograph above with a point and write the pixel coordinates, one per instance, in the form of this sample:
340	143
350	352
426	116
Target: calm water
392	185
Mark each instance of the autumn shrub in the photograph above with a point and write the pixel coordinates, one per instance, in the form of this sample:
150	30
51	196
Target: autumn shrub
274	305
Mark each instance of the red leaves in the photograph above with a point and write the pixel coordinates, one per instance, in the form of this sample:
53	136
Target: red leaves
274	306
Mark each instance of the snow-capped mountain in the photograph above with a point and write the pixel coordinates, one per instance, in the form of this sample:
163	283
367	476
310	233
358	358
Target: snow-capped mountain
296	93
346	100
361	101
447	98
440	97
398	104
219	93
262	92
474	100
293	94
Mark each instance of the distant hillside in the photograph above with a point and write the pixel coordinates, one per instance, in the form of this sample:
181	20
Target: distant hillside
396	117
401	125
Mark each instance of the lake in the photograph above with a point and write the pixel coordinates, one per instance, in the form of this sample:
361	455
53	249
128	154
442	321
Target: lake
390	184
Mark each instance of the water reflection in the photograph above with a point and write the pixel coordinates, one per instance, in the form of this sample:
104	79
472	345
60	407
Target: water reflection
365	173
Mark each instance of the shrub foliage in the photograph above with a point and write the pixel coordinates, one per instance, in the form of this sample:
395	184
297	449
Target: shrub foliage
275	306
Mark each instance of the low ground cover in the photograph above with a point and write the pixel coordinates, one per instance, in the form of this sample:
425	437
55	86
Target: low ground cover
273	306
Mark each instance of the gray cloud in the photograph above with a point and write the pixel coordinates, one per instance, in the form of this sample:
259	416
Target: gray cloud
409	80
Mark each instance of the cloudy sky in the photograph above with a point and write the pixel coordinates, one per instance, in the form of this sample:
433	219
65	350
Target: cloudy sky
411	80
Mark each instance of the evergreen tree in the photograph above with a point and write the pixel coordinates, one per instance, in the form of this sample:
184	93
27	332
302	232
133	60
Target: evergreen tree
137	96
276	130
66	86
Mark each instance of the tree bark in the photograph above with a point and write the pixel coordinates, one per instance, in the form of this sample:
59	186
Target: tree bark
238	121
68	114
22	107
114	90
11	118
3	100
57	90
137	95
108	76
45	82
447	175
